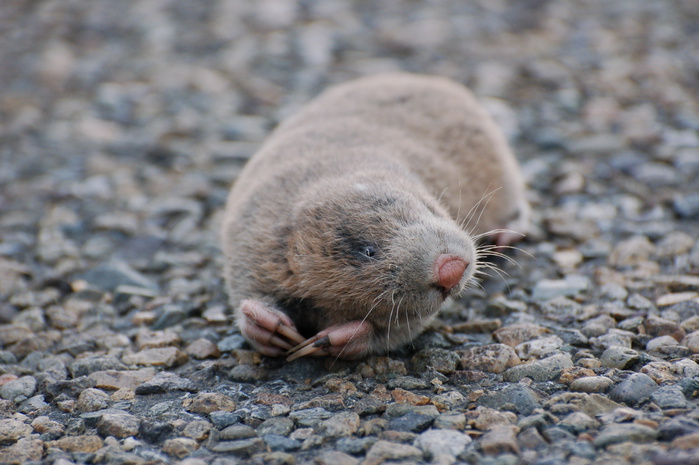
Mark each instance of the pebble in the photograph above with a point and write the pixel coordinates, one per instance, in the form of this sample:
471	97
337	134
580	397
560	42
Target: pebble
591	384
571	286
12	430
202	348
207	402
619	357
436	442
19	389
165	382
91	400
635	389
82	443
310	417
340	425
501	439
442	360
491	358
113	379
669	397
514	397
119	425
242	447
180	447
276	442
538	347
24	451
540	370
197	430
616	433
167	356
384	450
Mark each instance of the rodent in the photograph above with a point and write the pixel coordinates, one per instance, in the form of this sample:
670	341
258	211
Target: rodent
358	216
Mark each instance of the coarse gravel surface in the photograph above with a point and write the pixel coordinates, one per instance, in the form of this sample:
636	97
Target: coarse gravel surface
123	125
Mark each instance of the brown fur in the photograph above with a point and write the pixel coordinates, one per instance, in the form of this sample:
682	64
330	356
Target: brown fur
365	163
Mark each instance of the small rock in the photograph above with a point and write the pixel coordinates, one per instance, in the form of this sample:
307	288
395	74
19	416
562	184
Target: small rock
310	417
436	442
91	400
197	430
207	402
147	339
335	458
442	360
515	334
622	432
691	341
488	418
500	440
491	358
657	343
24	451
383	450
280	426
109	276
248	374
113	380
411	422
406	397
235	432
165	381
669	397
578	422
538	347
619	357
635	389
276	442
92	363
19	389
44	425
222	419
166	356
85	444
514	397
595	404
591	384
12	430
571	286
541	370
180	447
340	425
598	326
656	326
242	447
676	427
202	348
119	425
631	252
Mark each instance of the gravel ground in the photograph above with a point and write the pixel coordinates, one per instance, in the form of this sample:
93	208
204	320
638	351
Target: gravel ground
122	125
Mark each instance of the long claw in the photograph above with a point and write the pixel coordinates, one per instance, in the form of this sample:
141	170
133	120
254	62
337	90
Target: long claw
289	333
307	349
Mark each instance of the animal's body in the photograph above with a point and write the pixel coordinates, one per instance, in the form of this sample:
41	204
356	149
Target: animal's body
356	219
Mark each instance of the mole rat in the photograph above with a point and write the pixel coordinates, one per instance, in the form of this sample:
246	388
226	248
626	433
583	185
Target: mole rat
360	215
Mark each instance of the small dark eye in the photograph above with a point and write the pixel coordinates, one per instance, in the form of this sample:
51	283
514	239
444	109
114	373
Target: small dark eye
369	251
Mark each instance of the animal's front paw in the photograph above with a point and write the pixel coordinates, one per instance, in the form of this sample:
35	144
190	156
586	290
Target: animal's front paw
271	332
349	340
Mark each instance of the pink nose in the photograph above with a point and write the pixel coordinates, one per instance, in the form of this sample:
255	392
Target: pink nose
448	270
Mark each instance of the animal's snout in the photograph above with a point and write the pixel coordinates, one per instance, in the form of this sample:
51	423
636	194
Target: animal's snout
448	271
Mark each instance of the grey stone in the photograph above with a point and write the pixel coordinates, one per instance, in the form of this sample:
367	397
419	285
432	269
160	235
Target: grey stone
340	425
230	343
591	384
635	389
514	397
570	286
667	397
541	370
310	417
276	442
623	432
90	364
18	390
281	426
436	442
119	425
411	422
110	275
165	382
234	432
675	427
619	357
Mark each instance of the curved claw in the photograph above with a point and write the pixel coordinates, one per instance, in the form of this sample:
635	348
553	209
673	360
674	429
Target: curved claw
346	341
269	330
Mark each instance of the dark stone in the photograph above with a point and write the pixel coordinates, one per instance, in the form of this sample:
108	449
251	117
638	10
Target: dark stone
411	422
71	388
355	446
633	390
514	397
277	442
676	427
92	363
155	432
166	382
222	419
108	276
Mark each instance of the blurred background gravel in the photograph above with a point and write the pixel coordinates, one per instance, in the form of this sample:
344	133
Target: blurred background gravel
123	125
